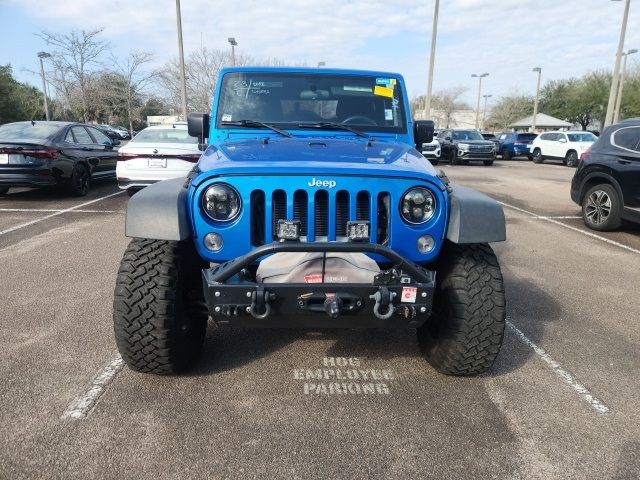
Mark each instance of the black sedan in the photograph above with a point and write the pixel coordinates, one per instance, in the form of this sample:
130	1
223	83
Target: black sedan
607	181
36	154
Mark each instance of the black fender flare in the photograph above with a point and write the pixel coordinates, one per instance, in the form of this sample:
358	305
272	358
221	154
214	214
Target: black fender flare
159	212
606	177
474	217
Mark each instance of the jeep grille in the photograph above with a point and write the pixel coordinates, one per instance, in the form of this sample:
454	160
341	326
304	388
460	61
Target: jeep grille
267	207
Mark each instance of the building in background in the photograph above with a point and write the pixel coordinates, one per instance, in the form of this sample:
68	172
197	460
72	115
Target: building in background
544	123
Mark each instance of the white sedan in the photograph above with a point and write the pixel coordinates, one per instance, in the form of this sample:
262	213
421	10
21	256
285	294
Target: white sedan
156	153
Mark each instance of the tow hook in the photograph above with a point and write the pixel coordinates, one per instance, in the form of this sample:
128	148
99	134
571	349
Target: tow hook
383	297
260	303
333	306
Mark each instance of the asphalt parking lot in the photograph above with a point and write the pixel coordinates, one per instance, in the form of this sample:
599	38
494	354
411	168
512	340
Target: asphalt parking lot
561	401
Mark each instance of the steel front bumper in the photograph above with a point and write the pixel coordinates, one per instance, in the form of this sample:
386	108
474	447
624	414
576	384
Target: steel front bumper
399	297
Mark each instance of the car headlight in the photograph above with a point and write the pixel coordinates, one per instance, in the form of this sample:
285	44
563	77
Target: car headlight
463	146
417	205
221	202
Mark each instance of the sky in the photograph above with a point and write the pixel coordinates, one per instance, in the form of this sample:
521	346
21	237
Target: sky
505	38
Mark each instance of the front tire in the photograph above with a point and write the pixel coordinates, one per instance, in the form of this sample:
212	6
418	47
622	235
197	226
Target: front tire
465	331
537	156
453	158
159	313
602	208
434	161
506	154
80	180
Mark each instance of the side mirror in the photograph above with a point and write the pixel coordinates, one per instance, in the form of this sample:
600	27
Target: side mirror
423	131
562	140
448	139
198	126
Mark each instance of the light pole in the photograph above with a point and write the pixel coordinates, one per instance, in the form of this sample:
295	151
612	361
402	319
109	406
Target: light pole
479	77
321	64
535	103
233	43
41	56
616	69
183	79
432	57
484	111
616	114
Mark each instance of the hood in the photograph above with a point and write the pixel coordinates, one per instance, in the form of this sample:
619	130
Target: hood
309	156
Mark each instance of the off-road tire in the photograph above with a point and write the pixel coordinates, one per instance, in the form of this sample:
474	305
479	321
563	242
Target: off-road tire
596	198
537	156
4	191
571	160
80	181
464	334
159	313
506	154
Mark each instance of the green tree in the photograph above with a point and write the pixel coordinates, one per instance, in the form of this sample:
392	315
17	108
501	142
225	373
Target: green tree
18	101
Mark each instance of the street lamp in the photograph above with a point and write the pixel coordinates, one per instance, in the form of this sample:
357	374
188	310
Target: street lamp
484	112
616	69
321	64
41	56
183	79
535	103
479	77
233	43
616	114
434	33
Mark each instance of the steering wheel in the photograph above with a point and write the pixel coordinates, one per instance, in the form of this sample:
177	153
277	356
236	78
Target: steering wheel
360	119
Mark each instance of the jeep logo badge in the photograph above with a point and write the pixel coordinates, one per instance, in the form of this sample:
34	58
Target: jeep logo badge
314	182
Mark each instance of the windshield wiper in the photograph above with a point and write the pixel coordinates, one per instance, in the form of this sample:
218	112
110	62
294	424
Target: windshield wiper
254	124
334	126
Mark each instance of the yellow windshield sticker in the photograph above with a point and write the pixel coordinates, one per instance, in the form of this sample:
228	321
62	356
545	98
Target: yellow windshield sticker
383	91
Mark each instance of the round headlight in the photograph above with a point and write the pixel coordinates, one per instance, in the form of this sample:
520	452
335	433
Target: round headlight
417	205
221	202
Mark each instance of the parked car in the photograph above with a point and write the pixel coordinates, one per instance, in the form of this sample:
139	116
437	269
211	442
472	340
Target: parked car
123	132
565	146
34	154
606	183
514	144
156	153
431	151
491	137
462	146
245	236
108	131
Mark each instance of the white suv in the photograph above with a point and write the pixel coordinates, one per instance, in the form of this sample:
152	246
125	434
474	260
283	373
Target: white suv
565	146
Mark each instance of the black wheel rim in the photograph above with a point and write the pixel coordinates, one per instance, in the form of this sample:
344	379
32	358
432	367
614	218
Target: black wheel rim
81	179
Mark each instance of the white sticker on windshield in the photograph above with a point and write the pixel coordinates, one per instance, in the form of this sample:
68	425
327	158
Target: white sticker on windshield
388	114
226	117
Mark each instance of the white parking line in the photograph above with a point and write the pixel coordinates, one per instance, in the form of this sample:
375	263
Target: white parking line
44	210
82	406
588	234
55	214
565	375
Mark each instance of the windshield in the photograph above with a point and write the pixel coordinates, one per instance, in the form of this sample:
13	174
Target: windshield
527	137
289	99
164	135
27	131
467	135
582	137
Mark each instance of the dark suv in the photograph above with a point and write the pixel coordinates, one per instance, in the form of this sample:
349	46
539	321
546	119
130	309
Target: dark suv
607	181
514	144
461	146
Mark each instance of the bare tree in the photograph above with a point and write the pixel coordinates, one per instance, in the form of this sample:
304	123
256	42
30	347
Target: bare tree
73	57
135	77
509	109
448	101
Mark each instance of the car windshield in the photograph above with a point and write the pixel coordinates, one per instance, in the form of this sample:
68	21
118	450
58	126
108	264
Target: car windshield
289	99
582	137
467	135
27	131
527	137
164	135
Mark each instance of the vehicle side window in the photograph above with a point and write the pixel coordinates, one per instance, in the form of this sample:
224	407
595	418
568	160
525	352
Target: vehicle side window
68	138
101	138
560	136
544	136
628	137
552	137
503	136
82	136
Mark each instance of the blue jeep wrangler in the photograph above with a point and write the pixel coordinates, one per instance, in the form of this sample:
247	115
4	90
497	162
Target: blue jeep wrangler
319	162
